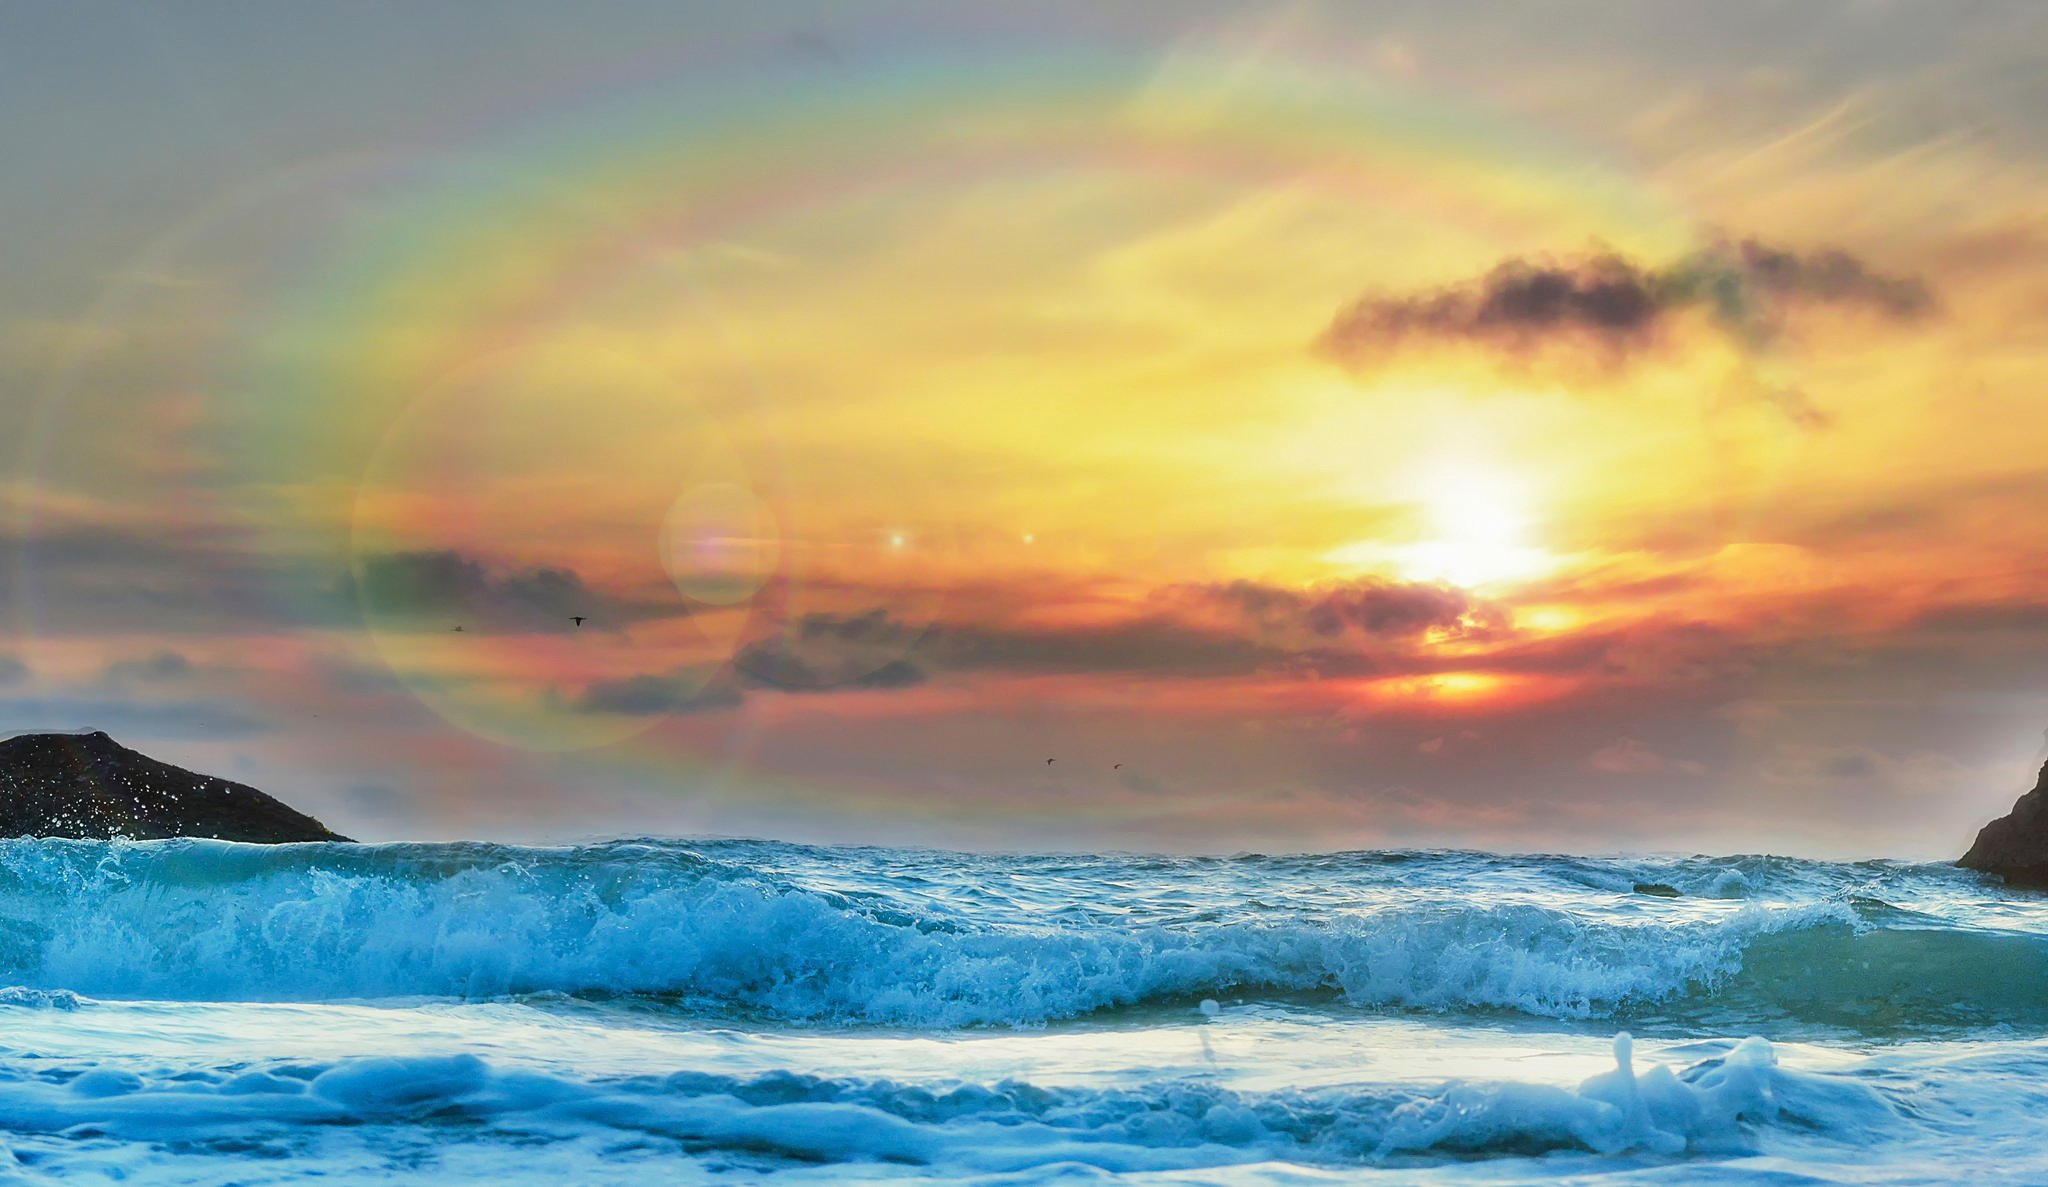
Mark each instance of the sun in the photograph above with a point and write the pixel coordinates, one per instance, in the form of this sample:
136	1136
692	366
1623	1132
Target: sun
1476	528
1479	530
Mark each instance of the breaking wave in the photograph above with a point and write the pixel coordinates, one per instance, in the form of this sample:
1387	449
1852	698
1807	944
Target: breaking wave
848	937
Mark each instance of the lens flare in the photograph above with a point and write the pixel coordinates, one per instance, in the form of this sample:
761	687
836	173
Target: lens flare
469	373
474	552
720	543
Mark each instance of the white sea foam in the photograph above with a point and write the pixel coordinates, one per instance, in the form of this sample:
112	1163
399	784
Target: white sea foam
1722	1106
228	924
649	1011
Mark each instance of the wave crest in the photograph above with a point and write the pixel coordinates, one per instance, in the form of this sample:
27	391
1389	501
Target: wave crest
209	921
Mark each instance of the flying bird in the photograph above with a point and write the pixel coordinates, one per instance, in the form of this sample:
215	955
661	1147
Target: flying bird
1117	767
577	619
1048	762
458	628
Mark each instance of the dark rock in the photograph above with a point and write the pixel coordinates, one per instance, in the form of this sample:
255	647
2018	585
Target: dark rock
2015	846
90	786
1659	889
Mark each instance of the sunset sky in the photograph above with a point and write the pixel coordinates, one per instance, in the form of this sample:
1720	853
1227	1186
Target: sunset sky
1584	426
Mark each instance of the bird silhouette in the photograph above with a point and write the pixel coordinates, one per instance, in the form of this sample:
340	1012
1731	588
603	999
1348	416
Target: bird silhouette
458	628
1117	767
577	619
1048	762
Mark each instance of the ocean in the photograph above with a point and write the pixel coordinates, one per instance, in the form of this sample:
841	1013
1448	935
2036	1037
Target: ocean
654	1011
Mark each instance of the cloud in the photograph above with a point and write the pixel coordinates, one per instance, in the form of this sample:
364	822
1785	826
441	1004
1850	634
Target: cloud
1618	306
1155	645
1381	609
873	650
775	663
1198	632
694	690
1360	630
1606	297
1347	630
435	589
687	691
819	652
1829	276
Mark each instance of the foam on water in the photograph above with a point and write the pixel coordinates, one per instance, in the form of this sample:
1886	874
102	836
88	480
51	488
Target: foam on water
854	941
170	1011
1719	1106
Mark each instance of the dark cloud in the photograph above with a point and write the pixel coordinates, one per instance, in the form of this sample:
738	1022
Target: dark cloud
649	696
759	666
1829	276
161	666
1617	305
1380	609
821	652
873	650
1157	645
1346	631
777	664
1607	298
441	588
1263	628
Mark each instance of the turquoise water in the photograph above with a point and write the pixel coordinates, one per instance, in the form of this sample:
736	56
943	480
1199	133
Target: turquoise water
722	1011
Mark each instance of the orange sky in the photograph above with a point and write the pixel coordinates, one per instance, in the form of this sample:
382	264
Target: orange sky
1365	425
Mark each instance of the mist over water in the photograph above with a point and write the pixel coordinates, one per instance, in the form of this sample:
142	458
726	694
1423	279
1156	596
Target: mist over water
752	1008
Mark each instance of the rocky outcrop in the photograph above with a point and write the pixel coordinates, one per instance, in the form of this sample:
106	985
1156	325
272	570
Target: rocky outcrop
2015	846
90	786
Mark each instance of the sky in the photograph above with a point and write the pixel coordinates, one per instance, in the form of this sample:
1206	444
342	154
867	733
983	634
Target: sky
1580	427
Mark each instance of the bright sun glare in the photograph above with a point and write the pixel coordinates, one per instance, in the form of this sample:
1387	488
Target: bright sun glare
1476	530
1480	531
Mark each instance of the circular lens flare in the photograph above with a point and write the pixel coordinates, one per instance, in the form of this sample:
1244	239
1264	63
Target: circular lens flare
720	543
500	551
